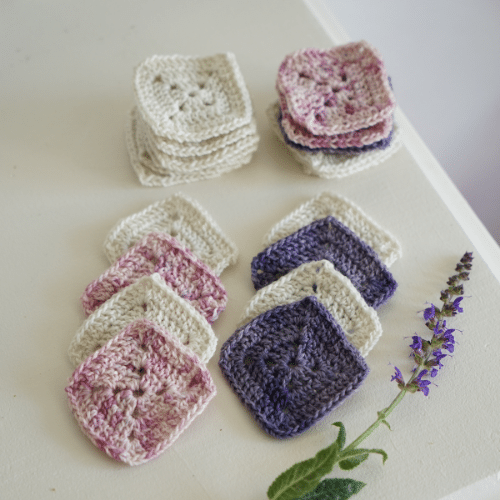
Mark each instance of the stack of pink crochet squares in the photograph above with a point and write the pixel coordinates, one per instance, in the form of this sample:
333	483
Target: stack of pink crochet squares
335	108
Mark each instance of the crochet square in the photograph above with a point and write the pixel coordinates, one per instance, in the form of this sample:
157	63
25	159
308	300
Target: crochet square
357	140
161	253
291	366
148	298
345	211
334	165
199	148
164	163
335	91
334	291
187	98
146	169
181	217
327	239
138	393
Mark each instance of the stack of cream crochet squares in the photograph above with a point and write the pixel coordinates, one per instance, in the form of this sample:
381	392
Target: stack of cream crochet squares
193	119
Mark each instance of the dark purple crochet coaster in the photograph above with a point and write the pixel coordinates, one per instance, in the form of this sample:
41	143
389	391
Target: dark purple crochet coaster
327	239
291	366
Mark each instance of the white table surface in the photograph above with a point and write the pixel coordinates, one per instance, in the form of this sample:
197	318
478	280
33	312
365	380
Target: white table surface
66	179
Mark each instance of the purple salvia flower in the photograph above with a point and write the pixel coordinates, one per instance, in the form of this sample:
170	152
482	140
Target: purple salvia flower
417	345
430	312
422	385
456	304
398	376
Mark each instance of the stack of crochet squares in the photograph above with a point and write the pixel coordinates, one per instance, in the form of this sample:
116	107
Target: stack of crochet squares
300	346
141	354
193	119
335	109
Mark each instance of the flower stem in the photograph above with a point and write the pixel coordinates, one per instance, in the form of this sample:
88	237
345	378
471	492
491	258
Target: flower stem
382	415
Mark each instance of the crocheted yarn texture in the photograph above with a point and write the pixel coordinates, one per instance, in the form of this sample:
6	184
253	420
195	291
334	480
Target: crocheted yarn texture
193	119
187	98
336	91
291	366
345	211
139	392
331	165
160	253
148	298
298	136
146	169
327	239
334	291
181	217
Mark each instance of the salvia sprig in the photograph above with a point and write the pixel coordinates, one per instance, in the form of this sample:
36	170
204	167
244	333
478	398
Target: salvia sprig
303	481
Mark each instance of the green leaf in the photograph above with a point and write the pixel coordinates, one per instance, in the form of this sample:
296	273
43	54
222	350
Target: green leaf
341	436
334	489
362	451
353	462
303	476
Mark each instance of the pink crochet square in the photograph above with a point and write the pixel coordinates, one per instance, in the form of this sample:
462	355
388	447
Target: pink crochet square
338	90
357	139
139	392
163	254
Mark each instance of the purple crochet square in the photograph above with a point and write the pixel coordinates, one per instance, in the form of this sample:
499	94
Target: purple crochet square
291	366
327	239
139	392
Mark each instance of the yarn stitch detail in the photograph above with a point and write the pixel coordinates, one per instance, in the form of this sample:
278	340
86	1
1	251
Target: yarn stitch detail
160	253
348	213
145	168
291	366
138	393
334	165
334	291
189	98
327	239
300	136
148	298
181	217
335	91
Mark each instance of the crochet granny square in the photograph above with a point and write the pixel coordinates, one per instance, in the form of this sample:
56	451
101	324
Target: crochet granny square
291	366
148	298
147	170
334	291
362	139
138	393
335	165
181	217
161	253
199	148
327	239
187	98
334	91
345	211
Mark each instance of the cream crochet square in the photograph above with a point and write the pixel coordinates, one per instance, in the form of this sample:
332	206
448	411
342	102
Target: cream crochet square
148	298
345	211
336	292
146	169
188	98
181	217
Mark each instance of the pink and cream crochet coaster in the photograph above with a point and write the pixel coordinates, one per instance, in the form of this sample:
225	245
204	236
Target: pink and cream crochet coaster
139	392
